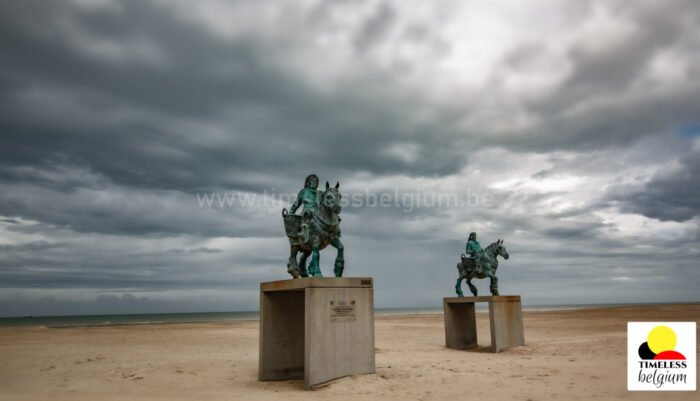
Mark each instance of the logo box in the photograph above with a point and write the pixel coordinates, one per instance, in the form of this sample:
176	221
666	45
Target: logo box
661	356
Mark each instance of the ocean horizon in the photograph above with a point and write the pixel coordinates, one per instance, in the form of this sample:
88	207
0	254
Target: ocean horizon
212	317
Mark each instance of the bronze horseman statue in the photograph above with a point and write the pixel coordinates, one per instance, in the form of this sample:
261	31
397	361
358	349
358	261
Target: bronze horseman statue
480	264
316	228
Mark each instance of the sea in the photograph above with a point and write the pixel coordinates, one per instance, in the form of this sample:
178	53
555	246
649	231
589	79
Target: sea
165	318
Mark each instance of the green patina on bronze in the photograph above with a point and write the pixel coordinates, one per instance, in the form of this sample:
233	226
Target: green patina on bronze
308	196
317	227
480	264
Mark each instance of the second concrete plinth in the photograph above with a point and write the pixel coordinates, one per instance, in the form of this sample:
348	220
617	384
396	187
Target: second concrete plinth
505	316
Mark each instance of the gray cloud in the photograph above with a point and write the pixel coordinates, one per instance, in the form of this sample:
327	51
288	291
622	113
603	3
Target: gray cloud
672	194
122	121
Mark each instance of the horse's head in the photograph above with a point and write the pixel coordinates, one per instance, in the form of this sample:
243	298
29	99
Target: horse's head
497	249
330	198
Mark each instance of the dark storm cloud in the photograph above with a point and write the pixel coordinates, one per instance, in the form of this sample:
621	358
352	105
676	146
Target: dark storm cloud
128	211
174	121
672	194
149	112
618	62
375	27
82	261
604	101
29	246
197	250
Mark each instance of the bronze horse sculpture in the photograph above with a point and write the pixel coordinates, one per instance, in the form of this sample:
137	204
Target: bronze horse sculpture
313	231
468	269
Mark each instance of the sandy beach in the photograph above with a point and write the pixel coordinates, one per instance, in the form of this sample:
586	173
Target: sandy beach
570	355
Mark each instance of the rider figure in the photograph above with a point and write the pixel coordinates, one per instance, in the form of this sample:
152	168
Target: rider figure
308	196
474	250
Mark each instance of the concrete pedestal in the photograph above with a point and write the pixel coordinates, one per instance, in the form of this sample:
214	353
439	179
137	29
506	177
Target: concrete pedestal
505	316
318	329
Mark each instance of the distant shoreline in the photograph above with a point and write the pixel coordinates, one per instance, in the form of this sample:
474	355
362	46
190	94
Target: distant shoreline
219	317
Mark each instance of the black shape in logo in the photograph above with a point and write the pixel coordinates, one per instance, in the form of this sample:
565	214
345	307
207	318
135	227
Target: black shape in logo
645	352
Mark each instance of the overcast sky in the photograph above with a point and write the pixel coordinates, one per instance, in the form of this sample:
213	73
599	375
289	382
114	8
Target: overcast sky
569	128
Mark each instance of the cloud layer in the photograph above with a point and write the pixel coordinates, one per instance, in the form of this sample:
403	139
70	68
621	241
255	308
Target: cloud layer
568	128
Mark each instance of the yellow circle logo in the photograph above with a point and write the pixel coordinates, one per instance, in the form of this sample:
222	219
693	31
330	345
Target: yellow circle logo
661	338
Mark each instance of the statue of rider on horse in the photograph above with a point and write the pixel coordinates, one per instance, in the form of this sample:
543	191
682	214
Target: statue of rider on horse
317	227
480	264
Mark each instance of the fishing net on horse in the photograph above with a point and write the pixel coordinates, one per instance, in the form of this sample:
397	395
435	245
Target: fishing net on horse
466	265
292	224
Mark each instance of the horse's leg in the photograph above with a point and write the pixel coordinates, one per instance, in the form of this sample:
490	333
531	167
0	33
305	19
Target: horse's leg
302	264
313	267
458	286
494	283
292	266
472	288
339	260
